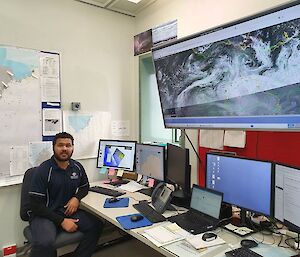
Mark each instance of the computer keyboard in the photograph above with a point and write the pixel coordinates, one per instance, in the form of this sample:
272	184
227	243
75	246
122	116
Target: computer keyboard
105	191
150	213
242	252
119	182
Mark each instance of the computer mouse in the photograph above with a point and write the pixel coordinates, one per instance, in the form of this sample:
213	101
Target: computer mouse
136	217
113	200
209	236
248	243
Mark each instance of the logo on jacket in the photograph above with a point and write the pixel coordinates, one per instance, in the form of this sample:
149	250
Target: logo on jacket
74	175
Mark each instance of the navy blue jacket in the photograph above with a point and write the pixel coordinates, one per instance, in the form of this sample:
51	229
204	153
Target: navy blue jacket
52	188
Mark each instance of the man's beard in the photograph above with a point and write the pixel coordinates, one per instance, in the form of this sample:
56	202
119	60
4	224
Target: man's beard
57	157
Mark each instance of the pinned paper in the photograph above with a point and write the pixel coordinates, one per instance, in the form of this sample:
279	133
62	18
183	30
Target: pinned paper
151	182
139	177
103	170
111	172
145	178
120	173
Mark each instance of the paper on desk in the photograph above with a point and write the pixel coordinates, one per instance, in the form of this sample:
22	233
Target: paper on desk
165	234
197	242
182	249
132	186
239	230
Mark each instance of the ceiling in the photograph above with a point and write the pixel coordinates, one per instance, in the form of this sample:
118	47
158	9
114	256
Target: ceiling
121	6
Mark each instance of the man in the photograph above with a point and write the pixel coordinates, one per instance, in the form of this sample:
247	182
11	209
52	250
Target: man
57	188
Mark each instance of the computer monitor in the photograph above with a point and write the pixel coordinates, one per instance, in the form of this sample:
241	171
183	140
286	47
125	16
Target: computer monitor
178	168
246	183
116	154
287	191
150	161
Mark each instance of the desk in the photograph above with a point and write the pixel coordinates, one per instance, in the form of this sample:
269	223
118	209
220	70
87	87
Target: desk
94	203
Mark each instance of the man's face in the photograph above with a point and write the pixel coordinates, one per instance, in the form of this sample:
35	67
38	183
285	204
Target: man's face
63	149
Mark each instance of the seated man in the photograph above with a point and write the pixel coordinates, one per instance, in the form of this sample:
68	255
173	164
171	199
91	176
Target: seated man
57	188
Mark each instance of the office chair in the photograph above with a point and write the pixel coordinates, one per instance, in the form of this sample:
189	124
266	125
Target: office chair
63	238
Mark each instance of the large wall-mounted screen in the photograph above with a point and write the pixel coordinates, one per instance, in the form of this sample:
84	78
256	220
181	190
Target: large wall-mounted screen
242	75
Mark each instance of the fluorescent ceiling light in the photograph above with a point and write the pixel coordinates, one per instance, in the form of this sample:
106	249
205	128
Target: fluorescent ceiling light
134	1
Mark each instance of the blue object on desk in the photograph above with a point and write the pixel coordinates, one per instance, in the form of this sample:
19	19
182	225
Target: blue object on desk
126	222
123	202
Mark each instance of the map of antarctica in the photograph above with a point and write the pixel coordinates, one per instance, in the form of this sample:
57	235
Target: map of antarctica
20	101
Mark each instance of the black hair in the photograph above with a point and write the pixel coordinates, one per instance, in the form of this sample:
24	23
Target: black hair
62	135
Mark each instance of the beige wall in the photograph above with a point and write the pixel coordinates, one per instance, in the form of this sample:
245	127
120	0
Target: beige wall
98	67
194	16
97	60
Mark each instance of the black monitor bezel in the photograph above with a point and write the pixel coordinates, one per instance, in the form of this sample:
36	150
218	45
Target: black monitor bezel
187	178
211	30
272	193
164	159
116	168
290	225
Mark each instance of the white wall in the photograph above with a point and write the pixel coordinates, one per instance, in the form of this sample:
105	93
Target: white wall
97	60
194	16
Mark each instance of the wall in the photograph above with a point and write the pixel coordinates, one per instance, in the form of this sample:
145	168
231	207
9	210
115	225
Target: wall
97	60
194	16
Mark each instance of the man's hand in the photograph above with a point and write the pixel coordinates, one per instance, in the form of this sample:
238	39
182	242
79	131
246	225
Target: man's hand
71	206
69	225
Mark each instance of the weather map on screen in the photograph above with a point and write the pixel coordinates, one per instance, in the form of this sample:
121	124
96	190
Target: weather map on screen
244	75
116	154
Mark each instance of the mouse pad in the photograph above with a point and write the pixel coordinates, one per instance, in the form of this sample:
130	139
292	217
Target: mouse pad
123	202
126	223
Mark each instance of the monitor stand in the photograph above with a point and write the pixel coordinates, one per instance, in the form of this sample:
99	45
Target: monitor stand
181	199
146	191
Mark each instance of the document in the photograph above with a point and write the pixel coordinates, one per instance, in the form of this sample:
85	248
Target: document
132	186
197	242
212	138
165	234
235	138
18	160
52	121
238	230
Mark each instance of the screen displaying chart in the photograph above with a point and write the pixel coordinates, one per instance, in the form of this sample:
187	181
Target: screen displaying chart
150	161
116	154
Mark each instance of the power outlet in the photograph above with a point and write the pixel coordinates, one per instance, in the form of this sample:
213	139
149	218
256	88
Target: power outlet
75	106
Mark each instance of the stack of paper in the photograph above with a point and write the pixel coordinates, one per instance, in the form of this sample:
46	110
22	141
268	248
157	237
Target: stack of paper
197	242
132	186
239	230
165	234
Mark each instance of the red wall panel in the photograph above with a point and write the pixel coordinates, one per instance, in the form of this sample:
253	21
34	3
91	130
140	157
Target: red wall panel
265	145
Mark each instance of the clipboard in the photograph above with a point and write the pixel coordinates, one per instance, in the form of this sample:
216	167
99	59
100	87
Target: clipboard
127	224
123	202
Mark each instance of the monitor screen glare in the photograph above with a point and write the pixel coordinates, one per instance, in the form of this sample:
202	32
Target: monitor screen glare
116	154
150	161
245	183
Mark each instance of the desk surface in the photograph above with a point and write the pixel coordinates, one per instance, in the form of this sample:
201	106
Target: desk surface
94	202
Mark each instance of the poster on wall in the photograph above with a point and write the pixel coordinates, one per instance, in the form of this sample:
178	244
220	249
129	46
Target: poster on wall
143	42
164	32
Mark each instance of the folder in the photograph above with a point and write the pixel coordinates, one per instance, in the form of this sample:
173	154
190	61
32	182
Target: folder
123	202
126	222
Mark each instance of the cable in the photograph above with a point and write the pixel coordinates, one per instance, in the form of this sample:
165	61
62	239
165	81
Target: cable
186	135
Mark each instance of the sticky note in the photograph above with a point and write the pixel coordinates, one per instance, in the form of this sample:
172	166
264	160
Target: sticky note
151	182
120	173
103	170
111	172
